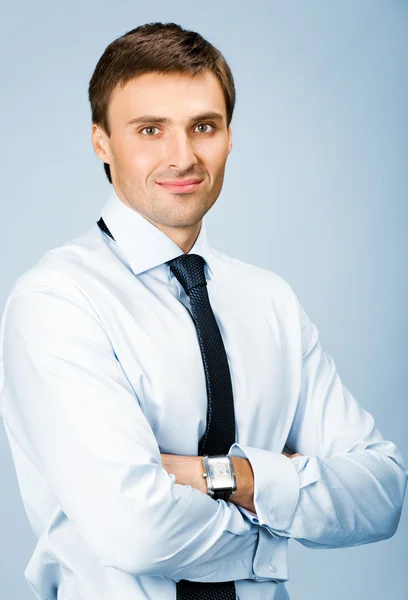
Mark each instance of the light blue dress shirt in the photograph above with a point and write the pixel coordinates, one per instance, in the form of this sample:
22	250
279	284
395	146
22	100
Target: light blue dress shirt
102	372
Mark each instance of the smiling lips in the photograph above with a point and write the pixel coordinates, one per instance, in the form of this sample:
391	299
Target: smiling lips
181	186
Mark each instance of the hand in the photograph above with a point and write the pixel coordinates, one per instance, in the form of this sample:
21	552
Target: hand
292	455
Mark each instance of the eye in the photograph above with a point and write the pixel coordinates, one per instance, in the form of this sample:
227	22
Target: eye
152	127
148	127
206	125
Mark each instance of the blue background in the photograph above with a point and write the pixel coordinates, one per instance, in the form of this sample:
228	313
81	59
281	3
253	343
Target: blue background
315	189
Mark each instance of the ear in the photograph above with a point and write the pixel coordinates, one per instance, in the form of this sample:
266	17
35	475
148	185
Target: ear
100	143
229	140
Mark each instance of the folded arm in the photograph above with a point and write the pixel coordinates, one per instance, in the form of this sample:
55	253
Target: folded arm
347	487
93	445
188	470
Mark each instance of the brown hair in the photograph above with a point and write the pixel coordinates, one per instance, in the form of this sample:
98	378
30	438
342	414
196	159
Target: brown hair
155	47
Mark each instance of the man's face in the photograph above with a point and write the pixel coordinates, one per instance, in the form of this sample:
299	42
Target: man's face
142	154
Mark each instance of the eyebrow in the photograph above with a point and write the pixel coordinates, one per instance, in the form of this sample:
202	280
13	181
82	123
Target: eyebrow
155	119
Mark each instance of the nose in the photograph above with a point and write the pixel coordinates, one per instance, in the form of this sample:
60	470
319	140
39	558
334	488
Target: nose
180	151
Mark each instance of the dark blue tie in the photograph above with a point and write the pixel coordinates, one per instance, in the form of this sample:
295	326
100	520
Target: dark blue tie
220	430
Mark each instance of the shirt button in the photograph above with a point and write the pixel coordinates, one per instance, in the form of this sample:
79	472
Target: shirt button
272	568
272	517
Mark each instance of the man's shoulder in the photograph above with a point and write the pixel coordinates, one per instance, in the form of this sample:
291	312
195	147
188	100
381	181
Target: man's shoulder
58	265
251	273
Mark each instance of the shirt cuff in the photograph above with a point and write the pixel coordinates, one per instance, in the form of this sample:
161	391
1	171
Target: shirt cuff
276	486
271	557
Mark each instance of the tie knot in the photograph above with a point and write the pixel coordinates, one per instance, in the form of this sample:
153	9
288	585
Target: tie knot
189	270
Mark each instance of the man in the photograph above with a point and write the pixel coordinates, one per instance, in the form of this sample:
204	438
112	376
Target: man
111	385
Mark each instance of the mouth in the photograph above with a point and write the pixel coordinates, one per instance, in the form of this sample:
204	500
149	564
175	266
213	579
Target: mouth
180	188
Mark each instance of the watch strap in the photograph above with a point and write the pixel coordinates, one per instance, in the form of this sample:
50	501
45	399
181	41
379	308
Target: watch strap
222	495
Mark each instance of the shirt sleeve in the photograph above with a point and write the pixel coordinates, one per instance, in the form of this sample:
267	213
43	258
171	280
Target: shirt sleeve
66	392
348	487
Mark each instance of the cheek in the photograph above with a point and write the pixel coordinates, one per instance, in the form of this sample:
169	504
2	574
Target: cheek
135	158
220	150
218	158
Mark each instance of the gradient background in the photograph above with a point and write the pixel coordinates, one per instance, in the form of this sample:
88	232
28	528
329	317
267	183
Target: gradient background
315	190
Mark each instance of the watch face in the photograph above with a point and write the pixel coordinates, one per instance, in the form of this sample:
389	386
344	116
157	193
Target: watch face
220	472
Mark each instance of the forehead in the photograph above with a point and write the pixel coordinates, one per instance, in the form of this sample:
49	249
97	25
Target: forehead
167	94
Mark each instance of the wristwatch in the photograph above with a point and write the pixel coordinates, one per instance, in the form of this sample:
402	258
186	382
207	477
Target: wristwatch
220	475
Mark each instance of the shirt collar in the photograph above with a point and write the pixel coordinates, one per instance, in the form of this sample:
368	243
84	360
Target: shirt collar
145	245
